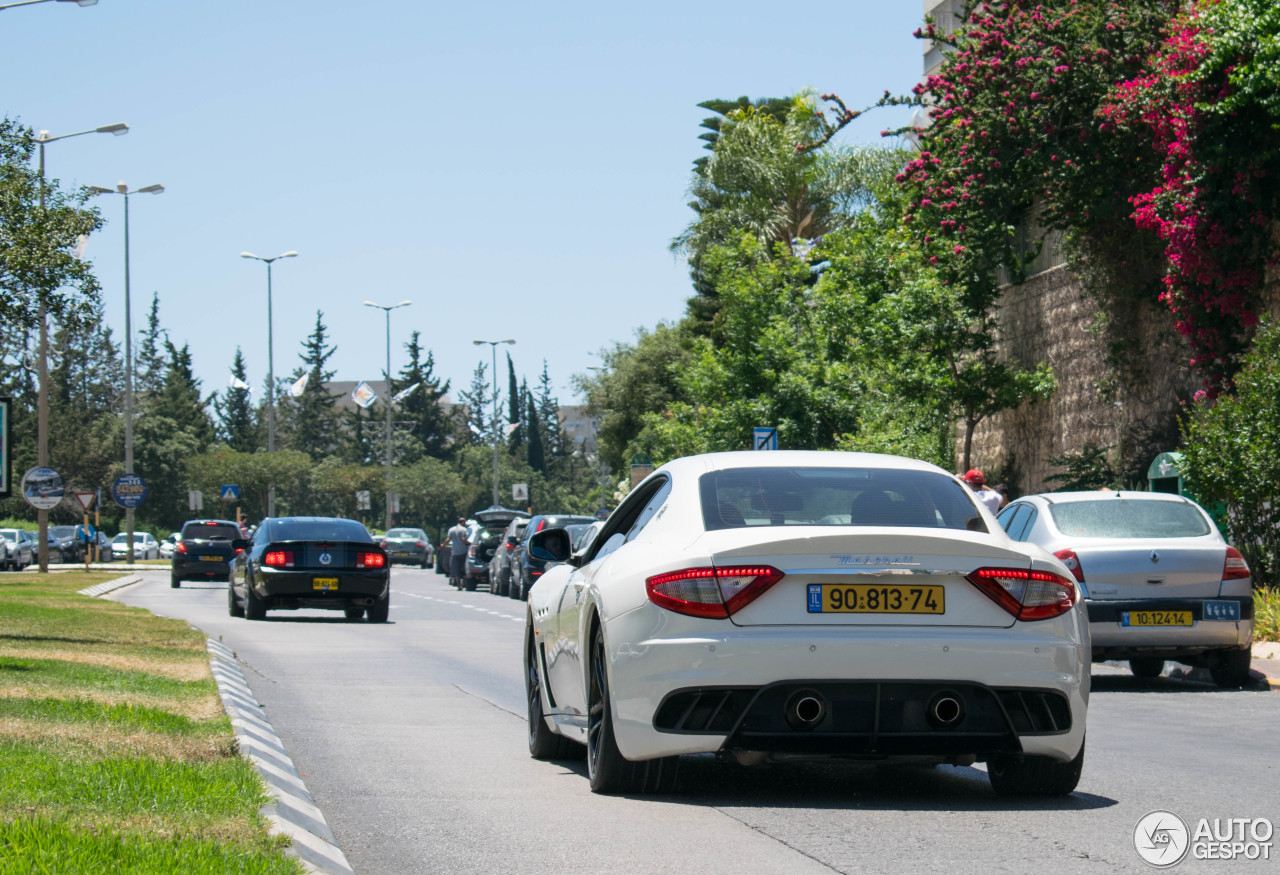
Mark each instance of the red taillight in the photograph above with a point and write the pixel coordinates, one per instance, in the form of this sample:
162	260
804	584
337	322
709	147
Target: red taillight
383	543
711	592
1235	567
278	559
471	551
542	524
421	545
239	550
1072	561
179	547
371	560
511	542
1027	595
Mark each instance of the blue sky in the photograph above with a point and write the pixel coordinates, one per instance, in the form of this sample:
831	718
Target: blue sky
516	170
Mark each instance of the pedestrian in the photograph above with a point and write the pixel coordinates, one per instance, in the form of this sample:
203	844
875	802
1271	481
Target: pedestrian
457	537
985	494
1003	489
244	526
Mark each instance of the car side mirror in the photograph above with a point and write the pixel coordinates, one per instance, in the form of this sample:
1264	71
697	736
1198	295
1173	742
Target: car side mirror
240	544
551	545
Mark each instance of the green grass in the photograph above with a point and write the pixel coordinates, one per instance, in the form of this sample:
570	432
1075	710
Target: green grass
1266	613
115	754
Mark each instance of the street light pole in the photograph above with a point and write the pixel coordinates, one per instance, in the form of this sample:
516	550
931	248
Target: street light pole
123	190
34	2
387	308
493	345
271	373
42	367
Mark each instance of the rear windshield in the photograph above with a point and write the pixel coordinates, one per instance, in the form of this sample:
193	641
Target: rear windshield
210	531
1118	518
740	497
405	533
317	530
62	531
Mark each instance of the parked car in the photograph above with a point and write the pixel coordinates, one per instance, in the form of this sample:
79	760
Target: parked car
103	545
409	545
145	545
489	530
764	606
500	565
1160	582
168	543
20	549
55	548
68	541
204	552
310	562
525	569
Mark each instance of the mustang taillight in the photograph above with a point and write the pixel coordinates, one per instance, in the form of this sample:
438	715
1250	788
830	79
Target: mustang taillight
1235	567
1072	561
1027	595
371	560
711	592
278	559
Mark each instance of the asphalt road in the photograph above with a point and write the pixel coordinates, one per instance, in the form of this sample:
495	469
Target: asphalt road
411	737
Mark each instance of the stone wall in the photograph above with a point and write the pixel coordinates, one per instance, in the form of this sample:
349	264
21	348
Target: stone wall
1049	318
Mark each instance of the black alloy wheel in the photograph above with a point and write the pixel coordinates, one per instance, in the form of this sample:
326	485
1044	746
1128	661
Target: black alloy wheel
175	581
234	608
543	743
1232	668
353	613
380	610
1034	775
254	607
1146	667
607	769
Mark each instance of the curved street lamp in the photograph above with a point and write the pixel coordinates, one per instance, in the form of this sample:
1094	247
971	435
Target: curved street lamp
271	372
123	190
34	2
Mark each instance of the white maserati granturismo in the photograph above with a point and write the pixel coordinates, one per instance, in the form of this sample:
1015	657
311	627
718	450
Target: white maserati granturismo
775	605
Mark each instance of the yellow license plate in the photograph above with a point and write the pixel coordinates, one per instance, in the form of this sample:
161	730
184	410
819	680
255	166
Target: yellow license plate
876	598
324	583
1155	618
210	558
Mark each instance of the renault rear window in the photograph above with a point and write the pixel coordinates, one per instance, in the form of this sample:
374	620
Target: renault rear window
1119	518
739	497
210	532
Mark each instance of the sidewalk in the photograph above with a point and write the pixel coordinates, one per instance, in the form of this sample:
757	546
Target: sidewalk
1266	660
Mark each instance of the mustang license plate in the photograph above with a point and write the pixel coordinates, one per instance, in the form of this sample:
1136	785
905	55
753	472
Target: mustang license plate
324	584
210	558
1155	618
875	598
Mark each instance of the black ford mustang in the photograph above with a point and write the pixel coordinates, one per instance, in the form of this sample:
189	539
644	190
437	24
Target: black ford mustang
311	562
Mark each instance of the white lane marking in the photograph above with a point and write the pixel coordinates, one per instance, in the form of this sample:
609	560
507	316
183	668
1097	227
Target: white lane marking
431	598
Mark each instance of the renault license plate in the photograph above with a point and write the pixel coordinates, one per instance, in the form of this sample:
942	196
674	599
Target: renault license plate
1155	618
210	558
876	598
324	584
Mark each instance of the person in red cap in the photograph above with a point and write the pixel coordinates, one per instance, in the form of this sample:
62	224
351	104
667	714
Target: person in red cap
978	484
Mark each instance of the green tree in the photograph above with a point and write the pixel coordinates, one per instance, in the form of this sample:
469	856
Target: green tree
472	414
238	424
536	454
312	418
1231	449
431	429
149	361
38	262
775	107
290	470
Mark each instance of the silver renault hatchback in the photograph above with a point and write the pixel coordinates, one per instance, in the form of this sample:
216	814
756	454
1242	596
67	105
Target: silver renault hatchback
1160	582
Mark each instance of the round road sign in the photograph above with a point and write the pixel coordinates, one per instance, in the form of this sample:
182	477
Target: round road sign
42	488
129	490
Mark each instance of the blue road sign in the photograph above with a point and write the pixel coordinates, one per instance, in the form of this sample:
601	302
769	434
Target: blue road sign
129	490
230	493
764	438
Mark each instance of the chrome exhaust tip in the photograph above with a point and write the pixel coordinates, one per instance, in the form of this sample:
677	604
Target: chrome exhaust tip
945	710
805	709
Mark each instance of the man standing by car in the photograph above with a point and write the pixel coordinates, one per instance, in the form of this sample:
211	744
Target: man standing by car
984	493
457	537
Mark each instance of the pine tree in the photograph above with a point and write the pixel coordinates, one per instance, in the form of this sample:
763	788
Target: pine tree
556	443
148	361
515	437
475	427
313	417
430	433
537	458
238	421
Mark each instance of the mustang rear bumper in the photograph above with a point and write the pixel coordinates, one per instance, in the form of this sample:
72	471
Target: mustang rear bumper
1023	689
298	589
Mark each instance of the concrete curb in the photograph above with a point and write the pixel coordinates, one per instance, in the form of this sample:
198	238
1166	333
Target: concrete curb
294	812
111	585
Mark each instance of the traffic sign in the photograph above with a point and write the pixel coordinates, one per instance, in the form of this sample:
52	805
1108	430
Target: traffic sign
42	488
195	499
364	500
764	438
519	491
86	500
230	493
129	490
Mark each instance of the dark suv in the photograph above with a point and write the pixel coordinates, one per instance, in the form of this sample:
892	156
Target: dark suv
525	570
485	538
205	551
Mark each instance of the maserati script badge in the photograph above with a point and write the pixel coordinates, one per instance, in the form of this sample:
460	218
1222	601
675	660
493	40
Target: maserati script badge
325	558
